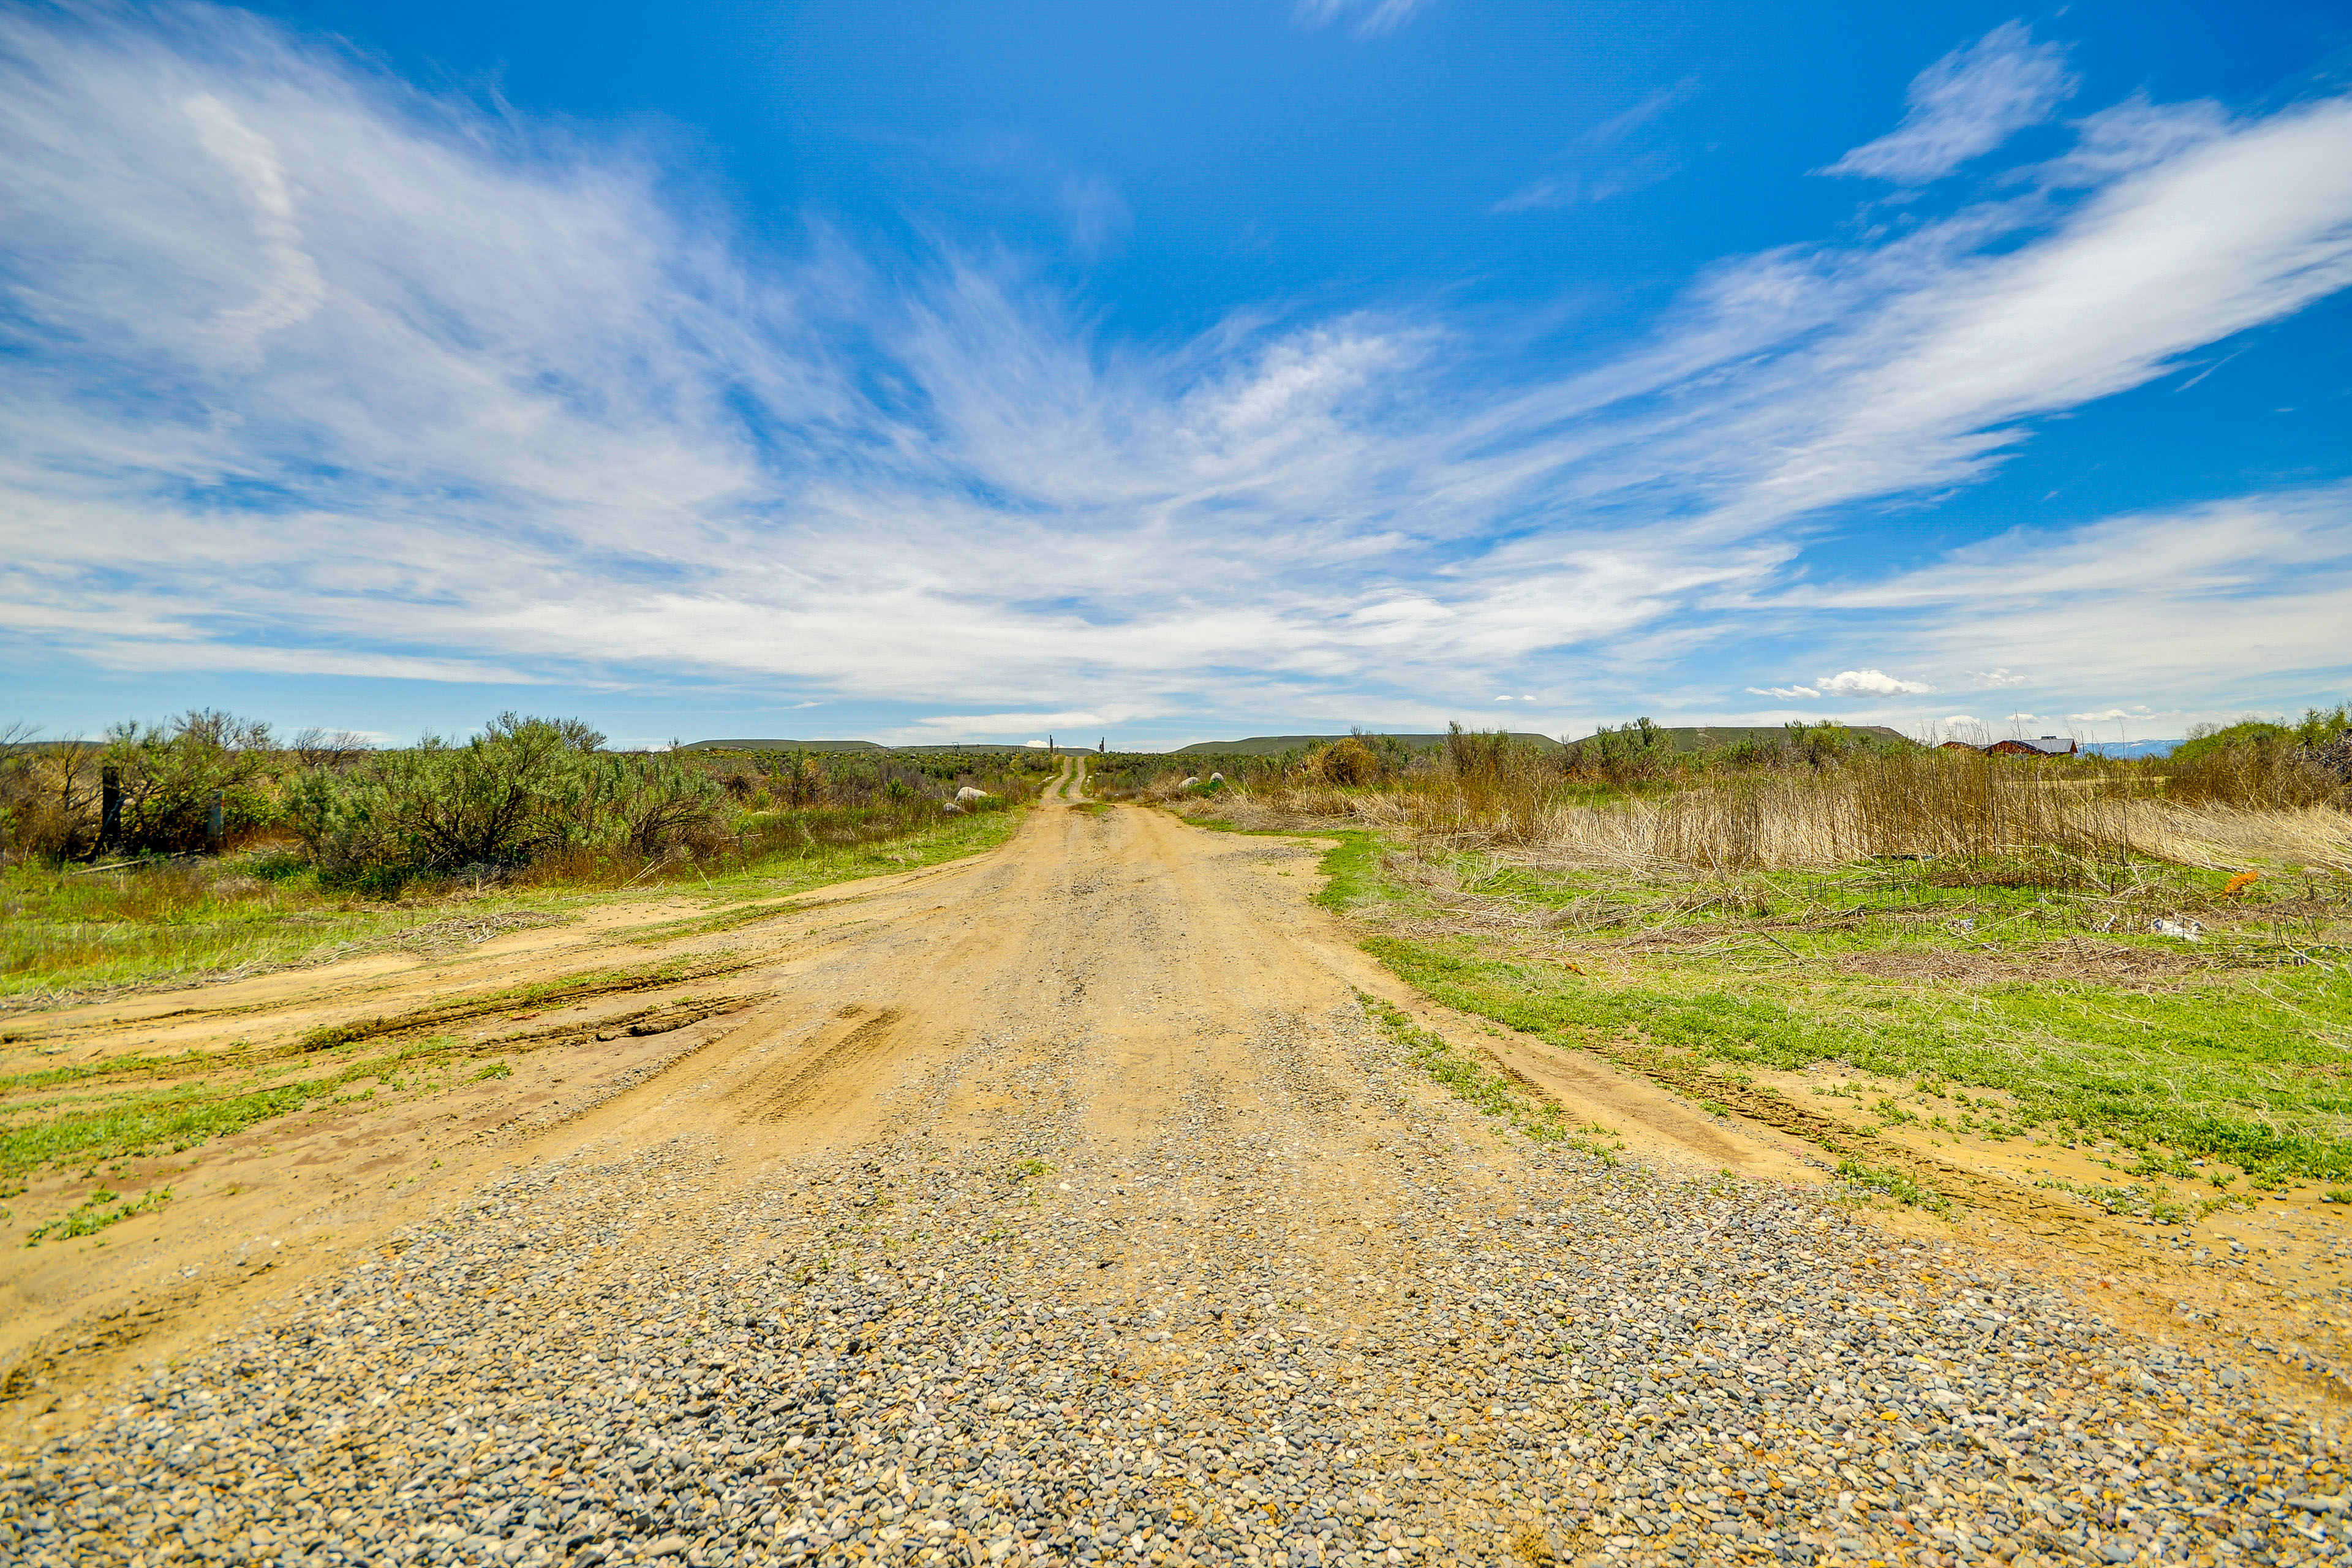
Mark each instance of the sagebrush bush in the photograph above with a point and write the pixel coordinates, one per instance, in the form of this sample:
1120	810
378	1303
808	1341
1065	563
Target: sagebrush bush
522	790
2263	766
170	775
526	793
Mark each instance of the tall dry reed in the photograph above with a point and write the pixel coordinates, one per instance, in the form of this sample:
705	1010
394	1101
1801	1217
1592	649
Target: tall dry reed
1938	804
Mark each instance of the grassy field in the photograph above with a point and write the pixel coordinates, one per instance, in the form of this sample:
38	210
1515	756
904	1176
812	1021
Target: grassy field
1985	1001
68	934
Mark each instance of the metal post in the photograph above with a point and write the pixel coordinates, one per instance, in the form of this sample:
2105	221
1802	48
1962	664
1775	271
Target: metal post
109	806
216	825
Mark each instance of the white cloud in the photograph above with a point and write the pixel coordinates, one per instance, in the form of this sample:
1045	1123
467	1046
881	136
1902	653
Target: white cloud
2133	135
1870	683
2188	606
1373	17
1929	386
1964	105
1996	677
292	292
520	420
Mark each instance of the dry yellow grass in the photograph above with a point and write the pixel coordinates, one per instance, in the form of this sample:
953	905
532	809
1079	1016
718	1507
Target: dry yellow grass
1931	805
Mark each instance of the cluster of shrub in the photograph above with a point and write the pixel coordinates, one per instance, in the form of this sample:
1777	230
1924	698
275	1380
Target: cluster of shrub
1630	753
524	791
2259	762
2253	764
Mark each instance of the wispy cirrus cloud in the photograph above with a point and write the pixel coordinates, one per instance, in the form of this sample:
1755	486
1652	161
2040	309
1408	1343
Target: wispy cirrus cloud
1614	177
1600	163
511	415
1964	105
1372	17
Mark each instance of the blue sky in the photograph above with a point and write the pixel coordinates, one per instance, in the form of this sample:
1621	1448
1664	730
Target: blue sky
972	370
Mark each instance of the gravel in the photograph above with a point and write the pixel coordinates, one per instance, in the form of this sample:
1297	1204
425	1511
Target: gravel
1346	1325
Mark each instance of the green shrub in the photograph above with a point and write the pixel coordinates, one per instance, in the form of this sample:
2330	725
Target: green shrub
2206	740
170	774
523	790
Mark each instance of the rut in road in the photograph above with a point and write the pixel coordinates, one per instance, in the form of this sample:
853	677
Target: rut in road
1068	1208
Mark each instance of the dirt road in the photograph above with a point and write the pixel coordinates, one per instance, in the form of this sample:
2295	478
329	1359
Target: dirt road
1060	1205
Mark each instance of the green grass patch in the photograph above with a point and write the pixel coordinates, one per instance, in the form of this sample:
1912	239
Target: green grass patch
172	1118
2248	1061
1893	1183
1352	865
92	1215
166	1120
64	933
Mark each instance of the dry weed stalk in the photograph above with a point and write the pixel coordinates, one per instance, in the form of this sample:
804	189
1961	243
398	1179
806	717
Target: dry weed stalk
1929	805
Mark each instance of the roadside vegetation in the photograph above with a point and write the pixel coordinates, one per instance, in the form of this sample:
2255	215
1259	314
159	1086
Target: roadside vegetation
2147	964
228	850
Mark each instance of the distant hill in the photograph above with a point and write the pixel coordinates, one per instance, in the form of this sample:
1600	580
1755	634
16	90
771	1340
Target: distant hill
1698	738
1267	745
2132	748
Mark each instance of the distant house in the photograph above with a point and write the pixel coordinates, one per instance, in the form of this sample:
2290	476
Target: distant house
2046	746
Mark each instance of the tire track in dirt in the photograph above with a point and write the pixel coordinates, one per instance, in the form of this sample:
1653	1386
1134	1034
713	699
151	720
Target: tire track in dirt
851	1053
